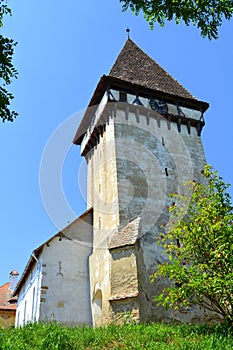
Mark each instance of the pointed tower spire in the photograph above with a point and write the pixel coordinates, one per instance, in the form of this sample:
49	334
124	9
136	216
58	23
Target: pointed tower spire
135	72
135	66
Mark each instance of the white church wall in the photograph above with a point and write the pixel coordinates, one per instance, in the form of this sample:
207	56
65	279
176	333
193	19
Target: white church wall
65	282
28	305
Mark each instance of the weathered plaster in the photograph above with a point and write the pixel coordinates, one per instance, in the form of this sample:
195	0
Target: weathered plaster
140	159
57	287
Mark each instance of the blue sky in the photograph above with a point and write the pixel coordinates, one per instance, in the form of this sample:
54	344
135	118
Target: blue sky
63	49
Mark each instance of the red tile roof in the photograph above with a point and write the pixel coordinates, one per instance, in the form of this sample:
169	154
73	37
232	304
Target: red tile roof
5	293
6	301
9	307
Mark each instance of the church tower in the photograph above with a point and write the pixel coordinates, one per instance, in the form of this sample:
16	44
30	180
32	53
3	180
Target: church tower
141	138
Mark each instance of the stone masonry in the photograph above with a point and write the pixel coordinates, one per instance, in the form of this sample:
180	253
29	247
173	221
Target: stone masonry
141	138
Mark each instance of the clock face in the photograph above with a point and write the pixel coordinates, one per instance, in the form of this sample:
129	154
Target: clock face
158	106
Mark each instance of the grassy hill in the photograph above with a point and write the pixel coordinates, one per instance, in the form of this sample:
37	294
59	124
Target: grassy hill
52	336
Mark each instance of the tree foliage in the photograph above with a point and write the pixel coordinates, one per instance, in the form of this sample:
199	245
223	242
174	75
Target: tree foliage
199	244
207	15
7	70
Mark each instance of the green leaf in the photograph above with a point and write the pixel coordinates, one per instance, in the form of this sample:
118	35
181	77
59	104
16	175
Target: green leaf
200	267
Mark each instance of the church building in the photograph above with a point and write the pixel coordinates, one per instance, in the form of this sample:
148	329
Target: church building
141	139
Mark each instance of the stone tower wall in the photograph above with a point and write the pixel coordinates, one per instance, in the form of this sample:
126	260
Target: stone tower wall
153	159
103	197
137	161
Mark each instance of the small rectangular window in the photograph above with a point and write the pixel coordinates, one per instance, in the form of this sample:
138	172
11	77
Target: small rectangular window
100	222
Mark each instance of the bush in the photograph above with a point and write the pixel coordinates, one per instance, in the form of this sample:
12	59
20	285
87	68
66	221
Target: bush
199	244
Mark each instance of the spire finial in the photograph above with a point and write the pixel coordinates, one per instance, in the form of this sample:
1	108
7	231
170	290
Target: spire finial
127	31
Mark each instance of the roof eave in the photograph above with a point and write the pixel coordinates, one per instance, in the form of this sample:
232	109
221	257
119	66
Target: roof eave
107	81
31	262
37	252
120	246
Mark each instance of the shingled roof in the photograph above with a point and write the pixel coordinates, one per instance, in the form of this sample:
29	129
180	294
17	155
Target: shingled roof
135	72
127	235
135	66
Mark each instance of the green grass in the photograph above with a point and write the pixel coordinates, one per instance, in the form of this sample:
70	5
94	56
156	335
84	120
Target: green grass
52	336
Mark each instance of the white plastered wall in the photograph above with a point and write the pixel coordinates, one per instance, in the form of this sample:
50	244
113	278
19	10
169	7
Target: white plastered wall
28	306
65	281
